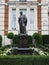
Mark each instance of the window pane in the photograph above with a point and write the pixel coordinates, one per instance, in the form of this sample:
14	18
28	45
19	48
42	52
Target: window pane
31	19
13	18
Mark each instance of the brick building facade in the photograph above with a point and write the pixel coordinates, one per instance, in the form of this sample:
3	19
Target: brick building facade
37	16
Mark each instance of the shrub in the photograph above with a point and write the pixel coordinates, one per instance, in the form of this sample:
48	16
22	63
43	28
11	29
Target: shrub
10	35
45	39
5	47
15	40
29	40
1	52
0	40
24	60
37	37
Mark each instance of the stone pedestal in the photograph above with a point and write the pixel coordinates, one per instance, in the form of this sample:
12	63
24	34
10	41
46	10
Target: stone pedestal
23	45
23	41
26	51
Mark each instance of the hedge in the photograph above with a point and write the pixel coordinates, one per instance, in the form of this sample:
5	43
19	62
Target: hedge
41	39
37	37
0	41
45	39
24	60
10	35
15	40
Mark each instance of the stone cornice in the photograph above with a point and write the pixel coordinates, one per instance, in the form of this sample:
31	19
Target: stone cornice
22	3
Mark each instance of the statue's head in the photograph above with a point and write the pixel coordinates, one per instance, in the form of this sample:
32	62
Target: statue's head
21	13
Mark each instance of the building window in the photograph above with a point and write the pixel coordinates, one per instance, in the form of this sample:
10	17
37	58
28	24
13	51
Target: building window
31	19
14	19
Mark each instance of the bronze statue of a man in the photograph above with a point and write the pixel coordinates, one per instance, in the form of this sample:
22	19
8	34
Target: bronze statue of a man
22	23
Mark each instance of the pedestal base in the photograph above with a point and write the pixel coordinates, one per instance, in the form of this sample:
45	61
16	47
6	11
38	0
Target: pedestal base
22	51
23	41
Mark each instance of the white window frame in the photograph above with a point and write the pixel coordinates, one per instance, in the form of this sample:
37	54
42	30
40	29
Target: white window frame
31	26
13	23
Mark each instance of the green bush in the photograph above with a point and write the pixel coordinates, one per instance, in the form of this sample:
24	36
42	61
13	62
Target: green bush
0	40
1	52
29	40
10	35
24	60
5	47
45	39
15	40
37	37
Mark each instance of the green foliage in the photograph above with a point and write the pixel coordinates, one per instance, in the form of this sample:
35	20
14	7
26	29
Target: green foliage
0	40
45	39
15	40
29	40
10	35
5	47
24	60
1	52
37	37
